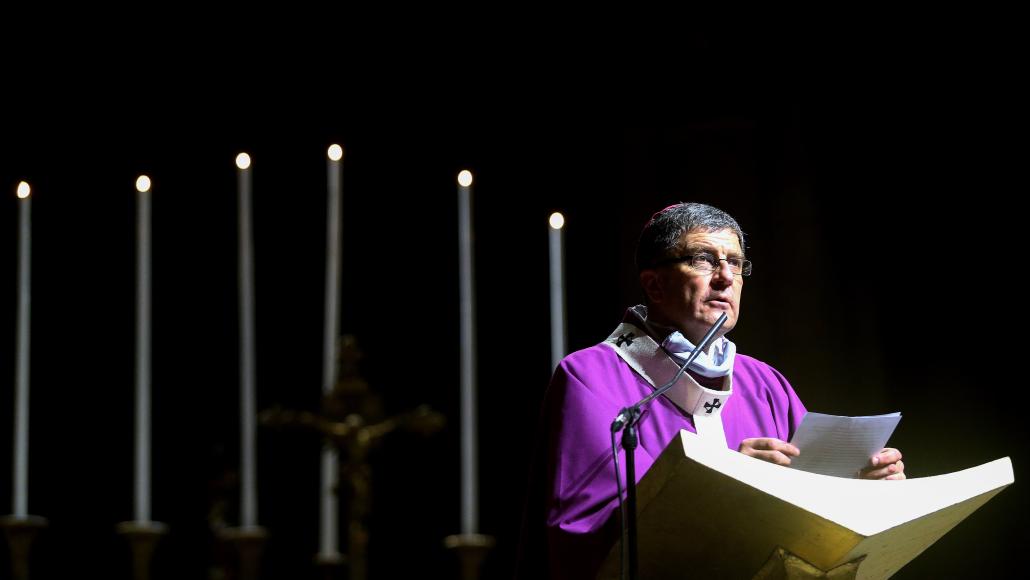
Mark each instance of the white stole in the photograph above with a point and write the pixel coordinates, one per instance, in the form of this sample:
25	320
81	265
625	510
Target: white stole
647	358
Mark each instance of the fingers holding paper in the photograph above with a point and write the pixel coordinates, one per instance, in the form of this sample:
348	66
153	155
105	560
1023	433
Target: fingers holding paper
769	449
886	464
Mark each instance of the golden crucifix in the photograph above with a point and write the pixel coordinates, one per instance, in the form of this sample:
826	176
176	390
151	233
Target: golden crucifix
351	419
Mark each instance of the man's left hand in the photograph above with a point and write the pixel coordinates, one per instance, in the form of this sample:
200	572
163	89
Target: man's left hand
886	464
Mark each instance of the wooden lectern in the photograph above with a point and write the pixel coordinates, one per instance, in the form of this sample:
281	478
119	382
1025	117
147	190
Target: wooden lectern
708	512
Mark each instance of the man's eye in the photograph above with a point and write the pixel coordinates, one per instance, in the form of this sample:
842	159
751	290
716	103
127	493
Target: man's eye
735	263
705	259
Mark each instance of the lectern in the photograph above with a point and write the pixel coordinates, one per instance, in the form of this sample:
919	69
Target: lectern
704	511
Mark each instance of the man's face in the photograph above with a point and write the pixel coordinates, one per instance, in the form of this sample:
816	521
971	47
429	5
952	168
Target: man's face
691	301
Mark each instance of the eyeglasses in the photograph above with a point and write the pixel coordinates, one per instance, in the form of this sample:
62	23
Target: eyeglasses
707	262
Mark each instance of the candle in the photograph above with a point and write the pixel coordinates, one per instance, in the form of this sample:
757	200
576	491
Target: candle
142	509
329	529
556	221
21	403
469	488
248	484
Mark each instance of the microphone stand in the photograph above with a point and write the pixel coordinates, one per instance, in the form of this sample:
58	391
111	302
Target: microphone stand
626	421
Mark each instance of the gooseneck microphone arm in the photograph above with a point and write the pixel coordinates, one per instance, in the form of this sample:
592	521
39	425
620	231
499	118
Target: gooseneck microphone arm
626	421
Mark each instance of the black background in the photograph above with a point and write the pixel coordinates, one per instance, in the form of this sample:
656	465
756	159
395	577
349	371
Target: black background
879	176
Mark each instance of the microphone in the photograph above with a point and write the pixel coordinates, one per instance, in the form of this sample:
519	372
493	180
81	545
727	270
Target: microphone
630	414
626	421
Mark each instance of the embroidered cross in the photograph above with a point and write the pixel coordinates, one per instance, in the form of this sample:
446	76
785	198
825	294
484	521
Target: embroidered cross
709	407
627	338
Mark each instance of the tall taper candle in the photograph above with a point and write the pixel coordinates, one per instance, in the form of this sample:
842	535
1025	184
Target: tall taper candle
142	511
469	484
248	413
328	540
557	261
21	404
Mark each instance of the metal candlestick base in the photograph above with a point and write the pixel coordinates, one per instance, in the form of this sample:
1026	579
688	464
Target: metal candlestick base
143	538
330	566
249	542
472	549
20	532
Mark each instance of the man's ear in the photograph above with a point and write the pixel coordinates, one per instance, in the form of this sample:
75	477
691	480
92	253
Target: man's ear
650	281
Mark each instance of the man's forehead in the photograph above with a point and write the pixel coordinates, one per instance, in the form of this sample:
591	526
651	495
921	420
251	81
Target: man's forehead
724	239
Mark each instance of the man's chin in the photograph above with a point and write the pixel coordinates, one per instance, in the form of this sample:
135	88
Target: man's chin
713	314
700	326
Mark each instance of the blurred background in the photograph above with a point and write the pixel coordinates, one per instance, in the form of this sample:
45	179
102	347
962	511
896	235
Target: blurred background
879	177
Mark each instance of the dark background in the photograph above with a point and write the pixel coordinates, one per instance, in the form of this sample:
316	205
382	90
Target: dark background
879	177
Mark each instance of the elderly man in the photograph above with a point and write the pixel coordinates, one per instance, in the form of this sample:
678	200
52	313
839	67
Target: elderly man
692	266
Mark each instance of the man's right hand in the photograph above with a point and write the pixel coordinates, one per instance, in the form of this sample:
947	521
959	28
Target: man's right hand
769	449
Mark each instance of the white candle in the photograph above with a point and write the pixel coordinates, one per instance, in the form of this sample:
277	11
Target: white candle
248	483
329	530
557	261
142	511
21	419
469	487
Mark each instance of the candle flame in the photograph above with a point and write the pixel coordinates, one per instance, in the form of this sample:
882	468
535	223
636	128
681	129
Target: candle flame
557	220
142	184
465	178
243	161
23	189
335	152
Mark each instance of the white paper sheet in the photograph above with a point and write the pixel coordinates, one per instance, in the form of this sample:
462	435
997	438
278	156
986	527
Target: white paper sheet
840	446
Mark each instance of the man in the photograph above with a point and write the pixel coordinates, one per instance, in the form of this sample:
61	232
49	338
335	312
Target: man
692	266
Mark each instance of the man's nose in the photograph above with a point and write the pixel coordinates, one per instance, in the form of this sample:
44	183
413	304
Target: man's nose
723	272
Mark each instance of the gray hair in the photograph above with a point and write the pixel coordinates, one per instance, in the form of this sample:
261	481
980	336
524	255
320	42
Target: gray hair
661	236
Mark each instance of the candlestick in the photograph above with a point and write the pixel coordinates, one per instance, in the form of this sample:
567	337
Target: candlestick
21	404
142	508
469	487
557	262
143	538
248	483
329	529
21	533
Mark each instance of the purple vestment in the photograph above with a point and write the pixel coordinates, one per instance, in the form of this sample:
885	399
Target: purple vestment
568	528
